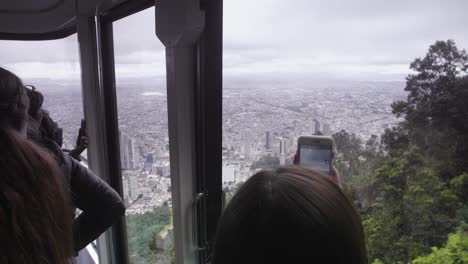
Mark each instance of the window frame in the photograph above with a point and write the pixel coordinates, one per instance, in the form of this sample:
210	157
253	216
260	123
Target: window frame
209	124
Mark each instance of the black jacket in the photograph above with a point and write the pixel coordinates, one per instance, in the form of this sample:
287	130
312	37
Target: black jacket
100	204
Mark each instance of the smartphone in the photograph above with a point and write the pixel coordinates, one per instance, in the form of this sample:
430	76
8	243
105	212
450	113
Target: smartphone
83	124
81	132
316	152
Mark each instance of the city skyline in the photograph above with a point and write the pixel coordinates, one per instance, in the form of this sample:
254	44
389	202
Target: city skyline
250	112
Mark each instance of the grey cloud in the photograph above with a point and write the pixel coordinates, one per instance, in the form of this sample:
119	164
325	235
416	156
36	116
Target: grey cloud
269	36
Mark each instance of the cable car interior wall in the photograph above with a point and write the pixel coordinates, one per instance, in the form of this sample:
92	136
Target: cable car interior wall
191	31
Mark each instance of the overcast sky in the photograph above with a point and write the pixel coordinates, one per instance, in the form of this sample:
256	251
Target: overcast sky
364	40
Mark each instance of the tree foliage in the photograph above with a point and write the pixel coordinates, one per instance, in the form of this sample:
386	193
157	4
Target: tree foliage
141	230
454	251
435	110
415	210
412	186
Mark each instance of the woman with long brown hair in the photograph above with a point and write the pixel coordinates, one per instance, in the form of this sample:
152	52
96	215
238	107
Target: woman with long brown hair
290	215
100	204
35	223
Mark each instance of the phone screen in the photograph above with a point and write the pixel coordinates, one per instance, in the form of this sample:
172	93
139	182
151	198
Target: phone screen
316	157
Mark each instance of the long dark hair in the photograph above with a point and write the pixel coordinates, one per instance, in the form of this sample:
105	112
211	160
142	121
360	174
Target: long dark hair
291	215
35	223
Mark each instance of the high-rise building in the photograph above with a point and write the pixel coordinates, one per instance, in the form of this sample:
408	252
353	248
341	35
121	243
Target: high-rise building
284	144
283	150
316	126
267	140
149	161
247	143
162	169
229	174
326	129
127	151
131	153
126	191
133	190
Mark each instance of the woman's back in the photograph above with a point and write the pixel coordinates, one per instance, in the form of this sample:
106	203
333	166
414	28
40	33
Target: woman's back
35	225
291	215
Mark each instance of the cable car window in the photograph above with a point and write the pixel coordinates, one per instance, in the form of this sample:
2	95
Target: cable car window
144	141
387	81
51	68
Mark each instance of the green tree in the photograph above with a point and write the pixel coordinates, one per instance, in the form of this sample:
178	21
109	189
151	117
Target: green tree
455	250
418	176
415	210
435	117
395	140
349	149
141	230
436	74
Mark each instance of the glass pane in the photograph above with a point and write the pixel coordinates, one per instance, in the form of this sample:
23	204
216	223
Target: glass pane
54	72
144	141
350	70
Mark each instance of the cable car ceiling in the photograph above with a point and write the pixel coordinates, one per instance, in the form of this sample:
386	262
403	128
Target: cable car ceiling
35	17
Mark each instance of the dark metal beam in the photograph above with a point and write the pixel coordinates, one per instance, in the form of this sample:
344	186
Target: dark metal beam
59	34
209	120
106	50
125	9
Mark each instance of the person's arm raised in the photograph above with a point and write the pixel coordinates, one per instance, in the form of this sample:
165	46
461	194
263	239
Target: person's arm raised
101	205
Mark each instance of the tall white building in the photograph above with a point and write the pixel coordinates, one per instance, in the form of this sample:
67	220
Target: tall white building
127	151
283	146
283	150
229	174
133	190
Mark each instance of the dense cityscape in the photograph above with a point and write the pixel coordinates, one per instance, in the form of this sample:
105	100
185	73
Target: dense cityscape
263	121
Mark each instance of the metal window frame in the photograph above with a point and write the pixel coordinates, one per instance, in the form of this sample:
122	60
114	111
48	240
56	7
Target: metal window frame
108	84
53	35
122	10
97	106
194	84
113	246
126	9
179	24
208	120
32	11
100	107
